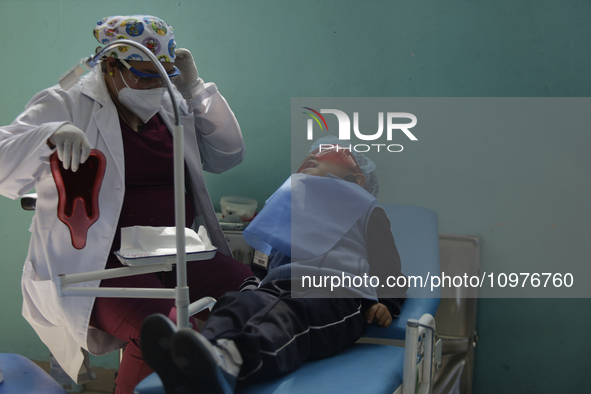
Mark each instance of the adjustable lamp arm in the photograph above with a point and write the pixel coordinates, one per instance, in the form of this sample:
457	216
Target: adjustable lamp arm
69	79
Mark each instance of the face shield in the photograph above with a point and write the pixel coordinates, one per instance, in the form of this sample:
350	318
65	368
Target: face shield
137	79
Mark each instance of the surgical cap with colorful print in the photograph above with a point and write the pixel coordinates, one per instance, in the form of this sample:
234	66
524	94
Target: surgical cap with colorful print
151	32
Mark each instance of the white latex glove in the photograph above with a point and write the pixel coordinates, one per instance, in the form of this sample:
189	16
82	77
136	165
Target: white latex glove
188	83
72	146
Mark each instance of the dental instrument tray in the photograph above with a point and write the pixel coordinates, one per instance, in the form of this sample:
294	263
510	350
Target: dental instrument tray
142	245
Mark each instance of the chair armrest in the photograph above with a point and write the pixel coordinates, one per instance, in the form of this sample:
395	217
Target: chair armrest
201	305
421	340
413	308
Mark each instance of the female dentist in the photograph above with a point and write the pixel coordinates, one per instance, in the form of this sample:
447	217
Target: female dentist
121	109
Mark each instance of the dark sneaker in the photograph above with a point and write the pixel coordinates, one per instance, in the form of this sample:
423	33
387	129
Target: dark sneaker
156	334
212	369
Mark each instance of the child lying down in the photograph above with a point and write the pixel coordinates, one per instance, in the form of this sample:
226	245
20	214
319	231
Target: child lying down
322	223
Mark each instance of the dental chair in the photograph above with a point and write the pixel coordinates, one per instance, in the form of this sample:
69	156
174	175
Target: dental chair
21	376
402	358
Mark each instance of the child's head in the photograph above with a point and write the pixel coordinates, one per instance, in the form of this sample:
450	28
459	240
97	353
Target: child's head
328	155
335	160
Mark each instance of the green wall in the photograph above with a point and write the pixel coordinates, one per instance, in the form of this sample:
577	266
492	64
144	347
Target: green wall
263	53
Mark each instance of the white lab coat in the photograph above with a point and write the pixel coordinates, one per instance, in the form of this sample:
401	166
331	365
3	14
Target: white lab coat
213	142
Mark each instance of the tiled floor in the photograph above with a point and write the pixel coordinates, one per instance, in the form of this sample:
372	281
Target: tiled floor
103	384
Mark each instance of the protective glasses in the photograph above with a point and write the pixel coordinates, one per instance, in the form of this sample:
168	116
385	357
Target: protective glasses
338	154
141	80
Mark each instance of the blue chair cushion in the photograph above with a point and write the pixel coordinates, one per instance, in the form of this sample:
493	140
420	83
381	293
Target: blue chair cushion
363	368
346	372
22	376
150	385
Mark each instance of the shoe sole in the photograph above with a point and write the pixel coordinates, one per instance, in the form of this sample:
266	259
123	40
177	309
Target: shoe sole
156	335
192	353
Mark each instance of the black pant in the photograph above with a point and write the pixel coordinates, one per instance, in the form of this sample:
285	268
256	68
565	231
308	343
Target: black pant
275	334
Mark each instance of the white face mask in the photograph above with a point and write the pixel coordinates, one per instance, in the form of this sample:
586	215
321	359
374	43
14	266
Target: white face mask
145	103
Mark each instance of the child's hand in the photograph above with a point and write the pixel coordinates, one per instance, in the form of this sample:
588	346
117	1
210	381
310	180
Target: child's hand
379	315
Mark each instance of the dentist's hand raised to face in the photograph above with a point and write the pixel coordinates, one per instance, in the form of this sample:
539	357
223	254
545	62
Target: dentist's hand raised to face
188	83
72	146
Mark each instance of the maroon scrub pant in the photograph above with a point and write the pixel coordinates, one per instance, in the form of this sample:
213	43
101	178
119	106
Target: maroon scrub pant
123	317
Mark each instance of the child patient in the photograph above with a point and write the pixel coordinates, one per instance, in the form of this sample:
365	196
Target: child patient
321	223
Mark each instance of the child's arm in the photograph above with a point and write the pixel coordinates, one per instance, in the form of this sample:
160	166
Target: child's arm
379	315
384	260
